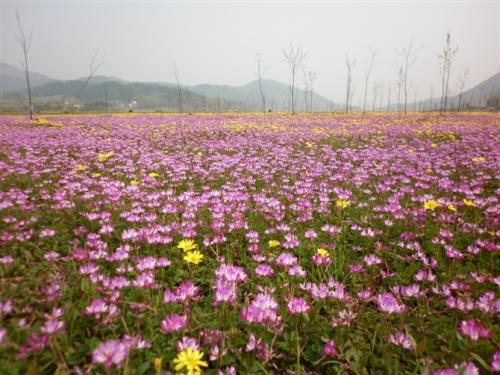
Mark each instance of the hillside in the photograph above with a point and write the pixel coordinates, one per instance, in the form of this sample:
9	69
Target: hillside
12	79
277	95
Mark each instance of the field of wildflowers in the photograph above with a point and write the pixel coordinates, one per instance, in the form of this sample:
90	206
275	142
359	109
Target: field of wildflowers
250	244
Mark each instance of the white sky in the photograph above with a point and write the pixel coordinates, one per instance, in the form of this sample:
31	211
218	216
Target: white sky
216	42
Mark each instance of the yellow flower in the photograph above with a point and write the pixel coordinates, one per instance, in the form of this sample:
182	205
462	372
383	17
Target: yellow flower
157	363
103	157
452	207
194	257
190	360
342	203
187	245
199	153
469	203
478	159
431	205
273	243
434	145
134	182
309	144
323	252
153	174
80	167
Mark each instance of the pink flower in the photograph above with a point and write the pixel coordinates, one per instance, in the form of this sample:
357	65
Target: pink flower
110	353
173	322
187	342
286	260
3	335
401	339
473	329
47	233
262	310
388	303
298	305
264	270
495	362
372	259
329	349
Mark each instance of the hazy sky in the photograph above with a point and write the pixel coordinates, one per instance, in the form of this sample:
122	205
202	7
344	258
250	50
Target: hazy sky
216	42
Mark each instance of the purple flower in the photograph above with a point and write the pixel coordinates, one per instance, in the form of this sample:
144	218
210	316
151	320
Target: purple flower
262	310
298	305
264	270
473	329
173	322
401	339
388	303
286	260
110	353
3	335
187	342
495	362
329	349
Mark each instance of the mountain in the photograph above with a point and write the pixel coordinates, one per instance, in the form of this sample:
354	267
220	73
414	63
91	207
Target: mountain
479	95
114	92
108	94
277	95
13	79
484	94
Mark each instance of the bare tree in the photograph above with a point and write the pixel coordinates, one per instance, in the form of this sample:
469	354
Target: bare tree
294	58
368	70
350	64
309	79
260	73
25	43
462	80
388	96
177	75
381	95
306	89
312	78
400	85
446	60
375	93
415	98
93	68
408	57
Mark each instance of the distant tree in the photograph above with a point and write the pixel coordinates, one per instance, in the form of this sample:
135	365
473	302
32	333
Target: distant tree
431	94
93	68
309	79
461	84
368	69
445	62
25	43
388	96
400	85
312	78
260	73
381	95
415	98
306	89
177	75
375	93
350	64
294	58
408	56
493	102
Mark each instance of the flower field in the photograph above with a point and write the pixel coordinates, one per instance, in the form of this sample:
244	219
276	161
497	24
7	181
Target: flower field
250	244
